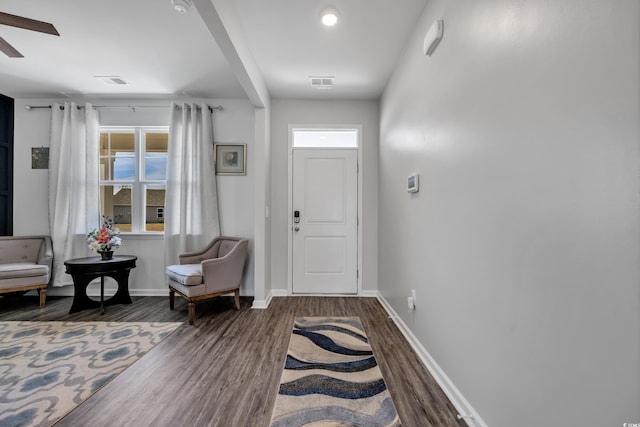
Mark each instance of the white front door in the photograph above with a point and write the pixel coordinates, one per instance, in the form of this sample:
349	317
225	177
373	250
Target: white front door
325	212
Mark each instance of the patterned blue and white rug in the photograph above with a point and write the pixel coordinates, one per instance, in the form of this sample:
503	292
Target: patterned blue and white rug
331	378
49	368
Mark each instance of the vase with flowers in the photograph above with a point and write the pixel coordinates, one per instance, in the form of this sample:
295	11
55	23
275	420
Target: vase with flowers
103	239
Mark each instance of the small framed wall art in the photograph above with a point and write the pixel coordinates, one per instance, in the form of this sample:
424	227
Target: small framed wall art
40	158
230	159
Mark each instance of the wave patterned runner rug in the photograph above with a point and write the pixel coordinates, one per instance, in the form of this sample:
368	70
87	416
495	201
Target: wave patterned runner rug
49	368
331	378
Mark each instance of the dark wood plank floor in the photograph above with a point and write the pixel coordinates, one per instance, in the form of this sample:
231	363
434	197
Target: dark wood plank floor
225	370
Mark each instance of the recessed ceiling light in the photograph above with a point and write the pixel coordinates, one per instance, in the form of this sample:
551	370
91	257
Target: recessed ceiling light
329	17
181	5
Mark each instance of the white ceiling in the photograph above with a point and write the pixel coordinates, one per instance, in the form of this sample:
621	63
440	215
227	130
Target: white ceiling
162	53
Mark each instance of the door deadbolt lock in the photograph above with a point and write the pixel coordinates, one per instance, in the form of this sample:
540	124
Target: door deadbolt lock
296	217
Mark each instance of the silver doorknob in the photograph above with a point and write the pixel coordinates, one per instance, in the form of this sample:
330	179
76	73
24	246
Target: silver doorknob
297	229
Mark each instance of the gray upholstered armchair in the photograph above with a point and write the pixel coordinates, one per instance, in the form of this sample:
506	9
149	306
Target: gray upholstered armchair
25	264
215	270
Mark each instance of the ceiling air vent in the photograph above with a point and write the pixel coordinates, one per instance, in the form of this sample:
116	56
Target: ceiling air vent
112	80
321	82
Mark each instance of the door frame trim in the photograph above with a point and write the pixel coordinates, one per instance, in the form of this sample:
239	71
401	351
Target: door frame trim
290	196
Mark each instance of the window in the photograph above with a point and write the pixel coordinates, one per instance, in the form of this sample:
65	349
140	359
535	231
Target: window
325	138
133	177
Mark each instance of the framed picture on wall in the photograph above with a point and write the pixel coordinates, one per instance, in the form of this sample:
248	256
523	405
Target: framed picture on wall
40	158
230	159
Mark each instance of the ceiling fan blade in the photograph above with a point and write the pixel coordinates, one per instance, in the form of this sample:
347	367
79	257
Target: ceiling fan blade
9	50
28	24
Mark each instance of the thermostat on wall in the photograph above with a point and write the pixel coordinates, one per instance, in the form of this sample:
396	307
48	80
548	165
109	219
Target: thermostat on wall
413	184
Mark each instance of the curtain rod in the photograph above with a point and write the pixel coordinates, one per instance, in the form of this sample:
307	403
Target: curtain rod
132	107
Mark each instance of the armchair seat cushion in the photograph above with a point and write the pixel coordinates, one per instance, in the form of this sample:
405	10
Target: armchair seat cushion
25	264
185	274
23	269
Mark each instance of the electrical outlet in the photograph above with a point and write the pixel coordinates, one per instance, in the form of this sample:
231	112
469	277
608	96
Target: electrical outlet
410	303
413	295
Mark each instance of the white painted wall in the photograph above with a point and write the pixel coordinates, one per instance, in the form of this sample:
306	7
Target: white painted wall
222	21
234	124
523	243
288	111
262	202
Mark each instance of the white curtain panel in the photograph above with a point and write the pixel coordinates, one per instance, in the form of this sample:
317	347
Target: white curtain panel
191	204
73	183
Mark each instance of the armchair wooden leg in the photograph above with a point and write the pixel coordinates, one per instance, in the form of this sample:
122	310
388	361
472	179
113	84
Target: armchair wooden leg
43	296
192	312
172	298
237	298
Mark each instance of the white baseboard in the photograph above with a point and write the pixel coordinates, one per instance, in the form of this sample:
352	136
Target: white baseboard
369	294
264	304
471	417
276	293
279	293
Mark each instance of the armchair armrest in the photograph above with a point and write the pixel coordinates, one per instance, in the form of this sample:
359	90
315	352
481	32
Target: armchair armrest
210	251
45	257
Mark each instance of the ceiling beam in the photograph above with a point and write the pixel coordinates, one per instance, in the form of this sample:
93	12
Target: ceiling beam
220	18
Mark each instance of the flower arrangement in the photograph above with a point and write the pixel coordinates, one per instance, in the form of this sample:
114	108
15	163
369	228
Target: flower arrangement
104	238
